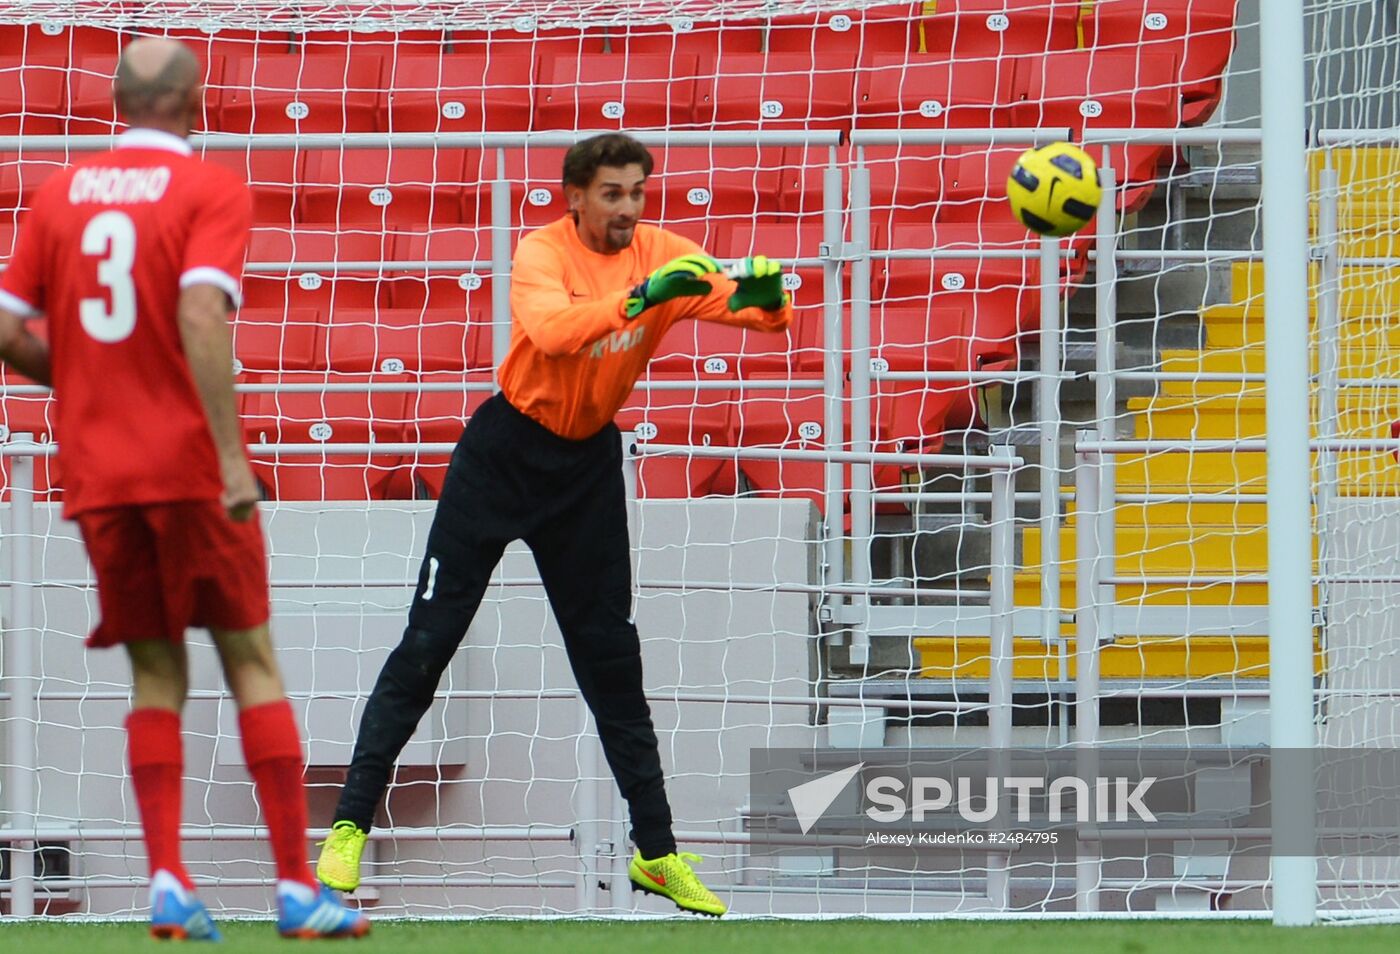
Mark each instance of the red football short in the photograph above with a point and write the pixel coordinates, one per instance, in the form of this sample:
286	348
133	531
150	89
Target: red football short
162	568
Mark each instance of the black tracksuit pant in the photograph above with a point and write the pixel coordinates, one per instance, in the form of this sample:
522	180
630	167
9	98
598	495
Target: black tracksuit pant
511	478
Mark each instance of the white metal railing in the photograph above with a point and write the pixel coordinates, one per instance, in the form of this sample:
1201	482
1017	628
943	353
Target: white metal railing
22	694
1095	450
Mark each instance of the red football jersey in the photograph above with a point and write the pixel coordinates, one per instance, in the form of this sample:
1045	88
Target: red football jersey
103	254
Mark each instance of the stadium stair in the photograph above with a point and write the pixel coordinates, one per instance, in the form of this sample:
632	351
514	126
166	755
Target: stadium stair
1216	539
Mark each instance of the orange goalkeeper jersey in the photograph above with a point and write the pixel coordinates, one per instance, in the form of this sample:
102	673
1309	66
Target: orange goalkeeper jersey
574	357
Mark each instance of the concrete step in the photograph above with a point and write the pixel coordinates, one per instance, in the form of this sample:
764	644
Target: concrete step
1362	231
1377	332
1361	414
1131	595
1354	362
1155	549
1364	172
1186	513
1361	286
1130	658
1361	473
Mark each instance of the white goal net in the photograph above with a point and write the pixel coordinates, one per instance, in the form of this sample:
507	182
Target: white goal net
1039	445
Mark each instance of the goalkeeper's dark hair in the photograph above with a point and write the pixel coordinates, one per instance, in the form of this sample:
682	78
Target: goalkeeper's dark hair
585	158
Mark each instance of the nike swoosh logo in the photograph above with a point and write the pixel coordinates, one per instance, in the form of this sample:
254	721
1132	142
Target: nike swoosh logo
1051	197
574	294
659	879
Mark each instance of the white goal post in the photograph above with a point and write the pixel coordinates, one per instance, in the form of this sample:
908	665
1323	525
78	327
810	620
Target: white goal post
1078	556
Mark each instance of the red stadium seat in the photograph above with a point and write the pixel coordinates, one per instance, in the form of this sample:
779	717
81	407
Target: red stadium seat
324	90
973	185
906	281
458	92
90	108
985	332
690	415
808	332
457	289
703	39
328	289
1093	89
212	114
928	338
795	420
1200	34
892	28
993	28
607	91
778	91
523	36
368	187
536	193
269	341
940	336
21	175
272	176
906	182
337	49
1088	88
389	45
329	418
402	341
438	417
1001	296
705	348
237	43
785	241
705	183
57	39
801	181
32	94
900	92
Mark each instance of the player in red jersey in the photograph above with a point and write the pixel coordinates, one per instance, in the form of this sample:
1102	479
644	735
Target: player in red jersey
134	257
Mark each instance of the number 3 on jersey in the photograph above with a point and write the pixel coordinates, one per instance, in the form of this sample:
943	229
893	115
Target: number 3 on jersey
112	236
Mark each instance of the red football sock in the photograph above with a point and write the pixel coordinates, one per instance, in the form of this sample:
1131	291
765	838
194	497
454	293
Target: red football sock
157	760
272	748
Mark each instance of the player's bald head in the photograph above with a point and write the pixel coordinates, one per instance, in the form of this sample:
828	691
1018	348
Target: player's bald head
155	81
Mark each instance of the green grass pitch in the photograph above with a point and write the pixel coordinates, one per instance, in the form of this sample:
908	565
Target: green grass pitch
757	937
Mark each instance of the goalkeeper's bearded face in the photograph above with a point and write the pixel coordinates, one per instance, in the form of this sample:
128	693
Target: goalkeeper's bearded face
608	209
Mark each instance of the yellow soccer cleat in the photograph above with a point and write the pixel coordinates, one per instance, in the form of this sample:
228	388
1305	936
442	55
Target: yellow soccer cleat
672	877
339	864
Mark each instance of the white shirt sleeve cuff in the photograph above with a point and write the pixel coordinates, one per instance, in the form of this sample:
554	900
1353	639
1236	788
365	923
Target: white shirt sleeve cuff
209	275
16	304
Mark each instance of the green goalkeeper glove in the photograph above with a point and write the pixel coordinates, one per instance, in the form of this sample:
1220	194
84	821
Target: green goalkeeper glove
760	281
679	278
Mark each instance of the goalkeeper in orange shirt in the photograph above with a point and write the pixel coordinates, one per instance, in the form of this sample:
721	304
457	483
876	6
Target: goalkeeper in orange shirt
591	297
